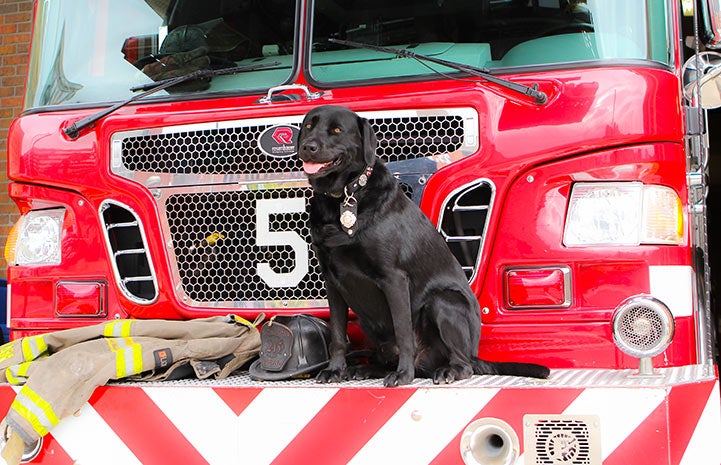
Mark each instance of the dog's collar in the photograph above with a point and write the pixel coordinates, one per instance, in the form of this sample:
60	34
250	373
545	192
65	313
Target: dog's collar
349	204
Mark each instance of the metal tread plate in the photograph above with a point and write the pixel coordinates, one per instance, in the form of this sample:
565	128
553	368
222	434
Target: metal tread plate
563	378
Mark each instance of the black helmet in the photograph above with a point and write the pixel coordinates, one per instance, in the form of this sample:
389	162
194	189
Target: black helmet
183	39
291	347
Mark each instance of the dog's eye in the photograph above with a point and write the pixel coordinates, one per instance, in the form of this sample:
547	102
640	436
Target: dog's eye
337	130
308	126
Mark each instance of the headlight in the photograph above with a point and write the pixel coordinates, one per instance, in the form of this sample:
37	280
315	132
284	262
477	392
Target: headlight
623	213
35	238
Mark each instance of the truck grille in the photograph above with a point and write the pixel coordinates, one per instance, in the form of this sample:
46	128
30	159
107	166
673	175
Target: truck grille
234	149
235	219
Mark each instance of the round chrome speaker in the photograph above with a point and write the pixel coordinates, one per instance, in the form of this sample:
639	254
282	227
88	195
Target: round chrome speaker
643	326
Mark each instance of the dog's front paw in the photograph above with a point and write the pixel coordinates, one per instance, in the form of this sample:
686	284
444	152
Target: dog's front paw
445	375
398	378
331	376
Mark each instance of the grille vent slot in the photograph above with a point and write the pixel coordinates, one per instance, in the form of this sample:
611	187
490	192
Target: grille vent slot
128	248
562	440
463	222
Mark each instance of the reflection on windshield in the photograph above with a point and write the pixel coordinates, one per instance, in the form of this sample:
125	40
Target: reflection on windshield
96	50
87	51
488	34
60	89
215	35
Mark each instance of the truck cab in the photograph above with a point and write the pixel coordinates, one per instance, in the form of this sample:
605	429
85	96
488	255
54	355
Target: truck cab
559	146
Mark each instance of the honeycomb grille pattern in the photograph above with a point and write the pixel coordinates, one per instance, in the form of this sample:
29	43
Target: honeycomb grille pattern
215	244
220	258
235	150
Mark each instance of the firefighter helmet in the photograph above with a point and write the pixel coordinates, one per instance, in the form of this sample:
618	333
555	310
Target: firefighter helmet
291	347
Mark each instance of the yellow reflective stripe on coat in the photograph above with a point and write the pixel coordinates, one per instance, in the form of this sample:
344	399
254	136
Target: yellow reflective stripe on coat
128	356
18	374
36	410
7	351
33	347
120	328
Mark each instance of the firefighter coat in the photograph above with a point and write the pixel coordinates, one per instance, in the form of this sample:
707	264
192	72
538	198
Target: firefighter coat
59	371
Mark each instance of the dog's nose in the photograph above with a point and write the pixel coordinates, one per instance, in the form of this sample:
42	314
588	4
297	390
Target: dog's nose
310	146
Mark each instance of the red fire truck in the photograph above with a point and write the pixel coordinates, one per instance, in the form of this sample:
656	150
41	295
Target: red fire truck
560	146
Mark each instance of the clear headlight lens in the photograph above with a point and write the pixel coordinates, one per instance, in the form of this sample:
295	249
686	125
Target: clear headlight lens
623	213
35	238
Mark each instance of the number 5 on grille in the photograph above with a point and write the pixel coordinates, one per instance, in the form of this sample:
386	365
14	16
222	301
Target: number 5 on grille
265	237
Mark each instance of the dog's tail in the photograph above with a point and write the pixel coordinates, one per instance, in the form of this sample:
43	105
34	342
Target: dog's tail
532	370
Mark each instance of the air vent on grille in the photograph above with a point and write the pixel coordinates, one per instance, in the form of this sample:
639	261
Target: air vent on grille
129	250
235	150
562	440
463	223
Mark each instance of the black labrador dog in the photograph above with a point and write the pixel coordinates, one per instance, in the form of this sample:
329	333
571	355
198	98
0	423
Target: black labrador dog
383	258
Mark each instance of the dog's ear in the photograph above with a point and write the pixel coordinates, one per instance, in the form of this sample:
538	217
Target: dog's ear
370	142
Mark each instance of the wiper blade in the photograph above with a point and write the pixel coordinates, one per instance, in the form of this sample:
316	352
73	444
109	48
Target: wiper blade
202	73
539	96
73	131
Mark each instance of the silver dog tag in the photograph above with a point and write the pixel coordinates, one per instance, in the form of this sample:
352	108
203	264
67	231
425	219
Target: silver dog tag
347	219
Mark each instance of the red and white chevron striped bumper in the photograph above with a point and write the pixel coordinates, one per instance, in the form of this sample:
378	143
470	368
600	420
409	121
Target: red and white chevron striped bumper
577	417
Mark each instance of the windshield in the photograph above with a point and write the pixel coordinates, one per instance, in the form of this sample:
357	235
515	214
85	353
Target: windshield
482	33
88	51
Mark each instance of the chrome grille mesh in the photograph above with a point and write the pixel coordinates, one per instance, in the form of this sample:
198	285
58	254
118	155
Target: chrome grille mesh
208	179
214	237
234	150
213	151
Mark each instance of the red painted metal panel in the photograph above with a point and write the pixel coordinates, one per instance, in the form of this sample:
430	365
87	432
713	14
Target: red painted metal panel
143	427
353	418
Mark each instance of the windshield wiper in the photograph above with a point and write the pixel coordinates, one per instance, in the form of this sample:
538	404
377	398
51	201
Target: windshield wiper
539	96
73	131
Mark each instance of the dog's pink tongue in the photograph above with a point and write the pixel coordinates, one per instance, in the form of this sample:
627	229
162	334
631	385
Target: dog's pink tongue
311	167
